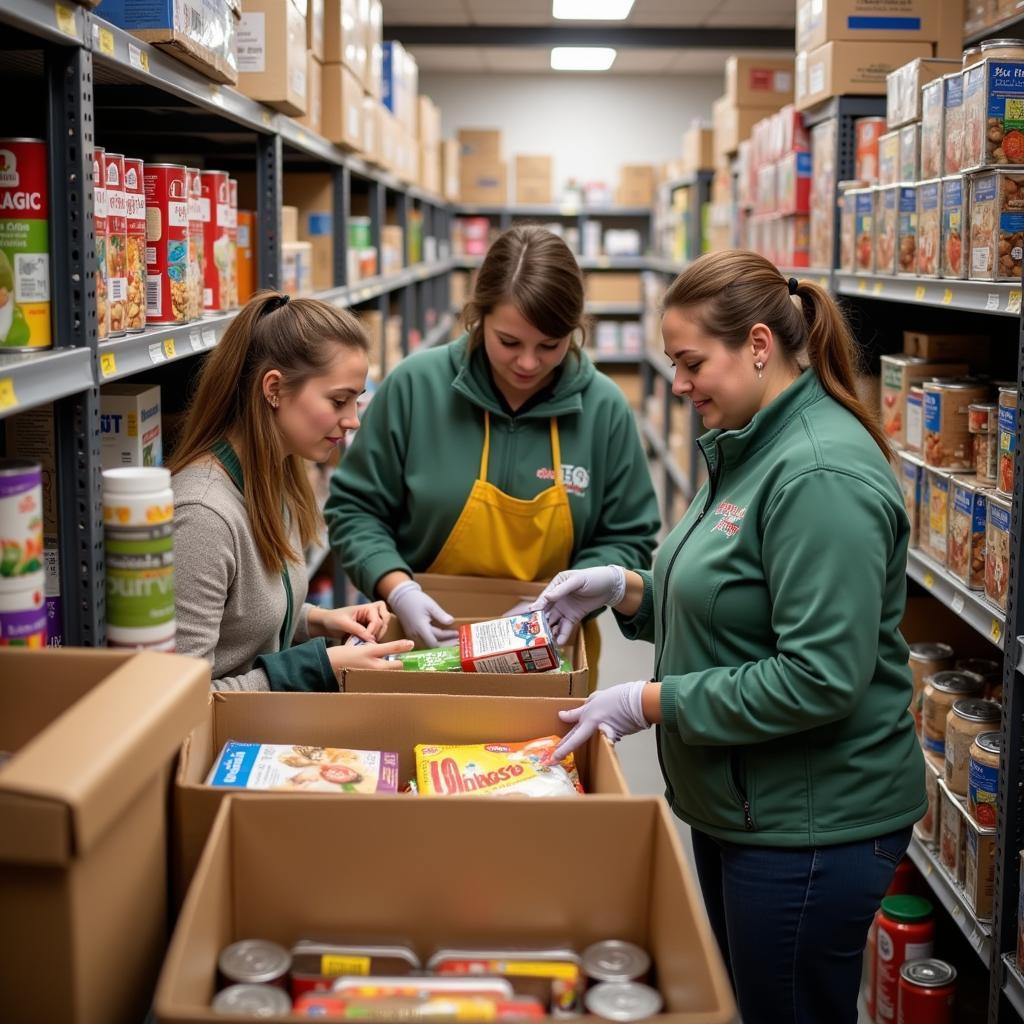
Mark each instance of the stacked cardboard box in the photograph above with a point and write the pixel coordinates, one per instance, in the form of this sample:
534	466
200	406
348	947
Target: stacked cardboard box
534	180
428	132
698	150
272	64
636	185
754	87
399	91
344	74
450	180
311	196
483	175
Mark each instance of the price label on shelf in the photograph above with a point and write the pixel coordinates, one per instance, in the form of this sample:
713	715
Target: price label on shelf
108	364
823	282
104	40
957	913
1013	301
878	286
266	119
8	396
929	579
862	285
138	58
996	631
66	20
169	349
992	301
957	604
156	353
947	296
209	337
919	292
216	95
195	339
604	261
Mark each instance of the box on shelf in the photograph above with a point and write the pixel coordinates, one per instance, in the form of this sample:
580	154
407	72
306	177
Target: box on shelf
793	183
534	180
399	83
289	223
614	286
636	185
340	25
130	425
698	149
450	169
272	55
430	169
838	68
371	147
94	736
313	199
373	28
731	124
297	268
389	132
483	180
315	28
931	21
963	348
428	121
342	113
903	88
313	117
480	143
629	382
759	81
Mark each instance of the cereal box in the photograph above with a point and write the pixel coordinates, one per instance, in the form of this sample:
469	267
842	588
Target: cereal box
519	643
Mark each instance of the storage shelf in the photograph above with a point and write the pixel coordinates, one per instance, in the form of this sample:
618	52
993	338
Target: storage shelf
133	353
969	605
664	456
372	287
630	358
822	278
63	22
615	308
1000	298
1012	25
28	379
948	893
440	334
1013	983
658	362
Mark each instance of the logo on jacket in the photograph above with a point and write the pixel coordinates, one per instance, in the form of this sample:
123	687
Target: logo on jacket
730	518
575	479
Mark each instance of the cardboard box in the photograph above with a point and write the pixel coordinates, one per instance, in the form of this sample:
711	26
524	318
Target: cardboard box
759	82
315	29
483	181
972	348
698	149
389	130
371	147
614	286
430	169
822	21
289	223
272	55
399	83
630	383
83	849
480	143
341	22
313	199
313	117
130	426
636	185
361	721
428	122
450	169
445	890
860	69
903	88
534	180
342	115
731	126
373	28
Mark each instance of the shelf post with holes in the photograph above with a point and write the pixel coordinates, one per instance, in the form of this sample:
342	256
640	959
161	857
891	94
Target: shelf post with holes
269	182
341	187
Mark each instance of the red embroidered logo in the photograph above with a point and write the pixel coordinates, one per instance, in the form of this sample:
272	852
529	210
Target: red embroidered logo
730	518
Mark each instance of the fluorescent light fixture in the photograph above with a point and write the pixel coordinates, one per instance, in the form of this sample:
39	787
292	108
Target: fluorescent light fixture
592	10
582	58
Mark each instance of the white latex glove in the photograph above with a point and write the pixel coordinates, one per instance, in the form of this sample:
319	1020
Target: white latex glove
422	617
572	595
617	711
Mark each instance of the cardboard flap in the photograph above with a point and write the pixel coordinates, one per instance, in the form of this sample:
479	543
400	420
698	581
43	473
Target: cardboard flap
94	759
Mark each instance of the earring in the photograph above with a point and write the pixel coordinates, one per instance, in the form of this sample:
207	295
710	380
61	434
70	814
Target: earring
759	366
273	402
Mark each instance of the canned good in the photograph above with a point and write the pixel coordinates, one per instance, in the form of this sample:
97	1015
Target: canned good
166	244
926	992
971	55
967	518
910	153
997	224
252	1001
887	217
932	123
1004	48
929	227
953	228
889	158
866	133
216	240
847	228
615	960
952	833
232	261
979	868
997	550
928	827
117	242
953	128
900	374
925	660
254	962
906	931
935	539
135	216
991	124
911	473
623	1001
864	229
245	263
967	718
979	417
198	215
24	246
914	429
23	617
947	440
983	778
99	229
333	960
941	691
1007	439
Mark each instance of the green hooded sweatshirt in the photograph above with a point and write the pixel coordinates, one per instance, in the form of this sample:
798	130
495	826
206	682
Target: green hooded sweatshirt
403	483
775	607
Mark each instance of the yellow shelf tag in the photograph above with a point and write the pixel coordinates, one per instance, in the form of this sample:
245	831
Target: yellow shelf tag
947	296
108	364
996	631
106	40
878	286
169	348
66	20
1013	301
919	292
862	285
8	397
929	580
138	58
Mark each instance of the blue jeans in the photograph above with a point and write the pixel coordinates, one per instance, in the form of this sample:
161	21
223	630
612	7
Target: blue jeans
792	923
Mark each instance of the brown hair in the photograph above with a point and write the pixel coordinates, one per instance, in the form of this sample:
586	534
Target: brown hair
536	271
733	290
269	333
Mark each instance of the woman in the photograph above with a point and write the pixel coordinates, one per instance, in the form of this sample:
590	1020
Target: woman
781	682
503	454
281	387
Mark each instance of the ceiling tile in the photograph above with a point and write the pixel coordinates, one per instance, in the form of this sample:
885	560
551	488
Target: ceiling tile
671	13
499	12
517	59
648	60
449	59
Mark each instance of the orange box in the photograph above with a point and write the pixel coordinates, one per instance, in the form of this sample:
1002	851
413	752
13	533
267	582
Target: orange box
245	257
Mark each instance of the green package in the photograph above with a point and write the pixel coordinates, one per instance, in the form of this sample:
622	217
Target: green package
446	659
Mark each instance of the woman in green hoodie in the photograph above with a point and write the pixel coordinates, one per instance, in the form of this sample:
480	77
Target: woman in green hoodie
781	682
503	454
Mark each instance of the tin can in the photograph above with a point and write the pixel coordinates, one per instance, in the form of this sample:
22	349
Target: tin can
941	691
1007	439
21	518
24	246
925	660
254	962
926	992
615	960
967	718
866	133
935	495
252	1001
216	240
906	931
196	243
232	263
947	439
997	550
99	230
135	213
914	430
983	778
953	229
929	227
623	1001
967	520
166	243
117	242
23	618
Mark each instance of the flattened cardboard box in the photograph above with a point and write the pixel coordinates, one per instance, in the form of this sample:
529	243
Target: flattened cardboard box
443	873
395	722
83	847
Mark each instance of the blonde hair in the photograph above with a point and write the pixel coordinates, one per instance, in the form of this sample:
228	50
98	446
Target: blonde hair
269	333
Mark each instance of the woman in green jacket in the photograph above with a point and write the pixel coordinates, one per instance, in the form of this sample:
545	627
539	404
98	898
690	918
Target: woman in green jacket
781	681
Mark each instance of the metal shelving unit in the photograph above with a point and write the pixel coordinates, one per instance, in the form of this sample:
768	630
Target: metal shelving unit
28	378
1012	26
1013	983
998	297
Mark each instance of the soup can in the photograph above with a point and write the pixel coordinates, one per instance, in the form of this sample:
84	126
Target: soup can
196	243
947	436
926	992
166	243
99	231
216	240
117	243
135	215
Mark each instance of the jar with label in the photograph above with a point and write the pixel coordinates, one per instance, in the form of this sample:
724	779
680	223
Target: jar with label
925	660
941	691
971	55
1003	49
967	718
983	778
947	439
1007	439
905	931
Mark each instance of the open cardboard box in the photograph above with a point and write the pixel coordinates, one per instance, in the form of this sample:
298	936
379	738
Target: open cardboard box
447	873
363	722
470	599
84	839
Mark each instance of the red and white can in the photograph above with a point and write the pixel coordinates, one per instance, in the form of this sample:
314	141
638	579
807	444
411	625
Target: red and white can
117	242
99	231
232	243
217	241
906	931
196	243
135	210
927	992
166	243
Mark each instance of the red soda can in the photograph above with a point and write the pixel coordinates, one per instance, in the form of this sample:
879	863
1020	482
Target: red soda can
117	242
217	241
926	992
166	243
906	931
135	208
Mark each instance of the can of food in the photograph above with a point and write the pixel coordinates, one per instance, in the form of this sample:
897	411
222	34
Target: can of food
983	778
906	931
864	229
252	1001
24	246
1007	439
99	230
333	960
941	691
967	524
197	217
866	133
929	228
117	242
232	243
166	243
947	439
245	261
623	1001
910	153
1003	48
216	240
21	518
979	417
967	718
135	215
615	960
925	660
887	215
935	526
23	621
847	227
914	430
254	962
953	228
971	55
927	990
911	473
997	550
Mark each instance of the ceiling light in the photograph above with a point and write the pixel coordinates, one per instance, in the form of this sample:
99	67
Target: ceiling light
592	10
582	58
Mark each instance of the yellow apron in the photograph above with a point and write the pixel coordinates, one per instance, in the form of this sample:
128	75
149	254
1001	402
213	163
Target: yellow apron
502	537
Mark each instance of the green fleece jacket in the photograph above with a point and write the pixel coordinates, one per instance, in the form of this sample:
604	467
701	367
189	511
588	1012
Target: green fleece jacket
404	481
775	607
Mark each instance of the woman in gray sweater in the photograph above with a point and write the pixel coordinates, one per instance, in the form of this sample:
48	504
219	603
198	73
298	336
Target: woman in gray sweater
280	387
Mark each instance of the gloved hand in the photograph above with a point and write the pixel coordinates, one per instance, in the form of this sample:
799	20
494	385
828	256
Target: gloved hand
617	712
575	593
418	613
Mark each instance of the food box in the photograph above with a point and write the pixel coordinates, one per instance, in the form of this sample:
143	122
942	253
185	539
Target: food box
967	524
864	228
905	86
954	228
910	153
932	128
793	183
866	133
847	229
997	225
130	425
93	736
997	550
934	538
889	158
887	211
913	20
929	227
356	875
911	475
906	230
272	56
391	722
993	115
979	868
953	123
516	644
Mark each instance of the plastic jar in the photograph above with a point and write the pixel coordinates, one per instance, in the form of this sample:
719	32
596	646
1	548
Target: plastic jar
983	778
906	931
941	691
925	660
967	718
23	620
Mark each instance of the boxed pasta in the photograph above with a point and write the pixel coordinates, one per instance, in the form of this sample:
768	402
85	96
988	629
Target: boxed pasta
993	113
954	262
953	122
997	225
928	227
967	523
887	215
906	230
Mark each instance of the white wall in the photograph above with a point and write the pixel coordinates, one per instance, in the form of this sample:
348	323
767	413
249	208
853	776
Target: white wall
590	124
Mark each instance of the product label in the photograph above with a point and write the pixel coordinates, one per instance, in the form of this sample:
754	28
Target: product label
933	745
954	89
252	43
985	188
908	200
999	518
982	792
1007	428
817	77
963	500
915	422
1006	92
929	196
975	81
932	412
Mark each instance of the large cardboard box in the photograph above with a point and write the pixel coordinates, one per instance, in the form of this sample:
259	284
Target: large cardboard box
636	185
83	844
312	196
483	181
614	286
732	125
930	21
373	29
130	428
430	168
428	122
759	81
371	148
390	721
342	115
859	69
272	55
698	149
437	873
341	22
450	169
534	180
480	143
315	29
313	117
